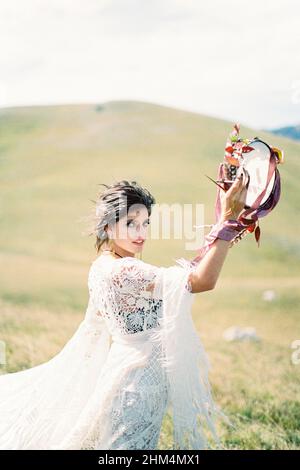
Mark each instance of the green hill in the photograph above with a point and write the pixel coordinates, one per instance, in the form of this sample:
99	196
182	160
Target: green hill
52	159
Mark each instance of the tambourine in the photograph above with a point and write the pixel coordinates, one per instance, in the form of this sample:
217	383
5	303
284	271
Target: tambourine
260	160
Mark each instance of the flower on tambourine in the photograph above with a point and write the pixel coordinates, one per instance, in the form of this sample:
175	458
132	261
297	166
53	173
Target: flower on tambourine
247	148
229	149
235	147
234	134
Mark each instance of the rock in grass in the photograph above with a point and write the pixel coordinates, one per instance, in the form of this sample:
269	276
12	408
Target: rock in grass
237	333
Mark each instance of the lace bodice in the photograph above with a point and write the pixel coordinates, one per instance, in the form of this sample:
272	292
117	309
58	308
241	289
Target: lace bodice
127	293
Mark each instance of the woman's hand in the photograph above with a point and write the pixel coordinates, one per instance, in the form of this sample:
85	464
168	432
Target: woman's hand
205	276
233	199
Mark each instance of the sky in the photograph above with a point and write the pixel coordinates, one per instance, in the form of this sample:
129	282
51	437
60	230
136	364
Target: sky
236	60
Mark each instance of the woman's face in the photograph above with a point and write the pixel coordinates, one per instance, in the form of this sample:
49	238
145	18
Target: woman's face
130	232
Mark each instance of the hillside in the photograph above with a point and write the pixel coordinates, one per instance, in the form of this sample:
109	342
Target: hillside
53	158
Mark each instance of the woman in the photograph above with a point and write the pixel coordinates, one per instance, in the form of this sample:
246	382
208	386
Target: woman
135	355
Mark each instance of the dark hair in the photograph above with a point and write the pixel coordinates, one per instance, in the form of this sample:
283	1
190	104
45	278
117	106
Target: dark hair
113	203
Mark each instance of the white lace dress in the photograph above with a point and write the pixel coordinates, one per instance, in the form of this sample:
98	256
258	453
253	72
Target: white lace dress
131	307
135	353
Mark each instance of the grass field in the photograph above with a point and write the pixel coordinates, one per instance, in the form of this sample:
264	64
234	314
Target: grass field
52	159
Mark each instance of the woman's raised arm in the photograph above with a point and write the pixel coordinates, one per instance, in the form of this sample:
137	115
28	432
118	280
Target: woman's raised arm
206	273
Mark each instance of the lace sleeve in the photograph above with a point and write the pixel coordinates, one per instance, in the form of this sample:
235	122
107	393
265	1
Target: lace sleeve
135	295
134	276
130	295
